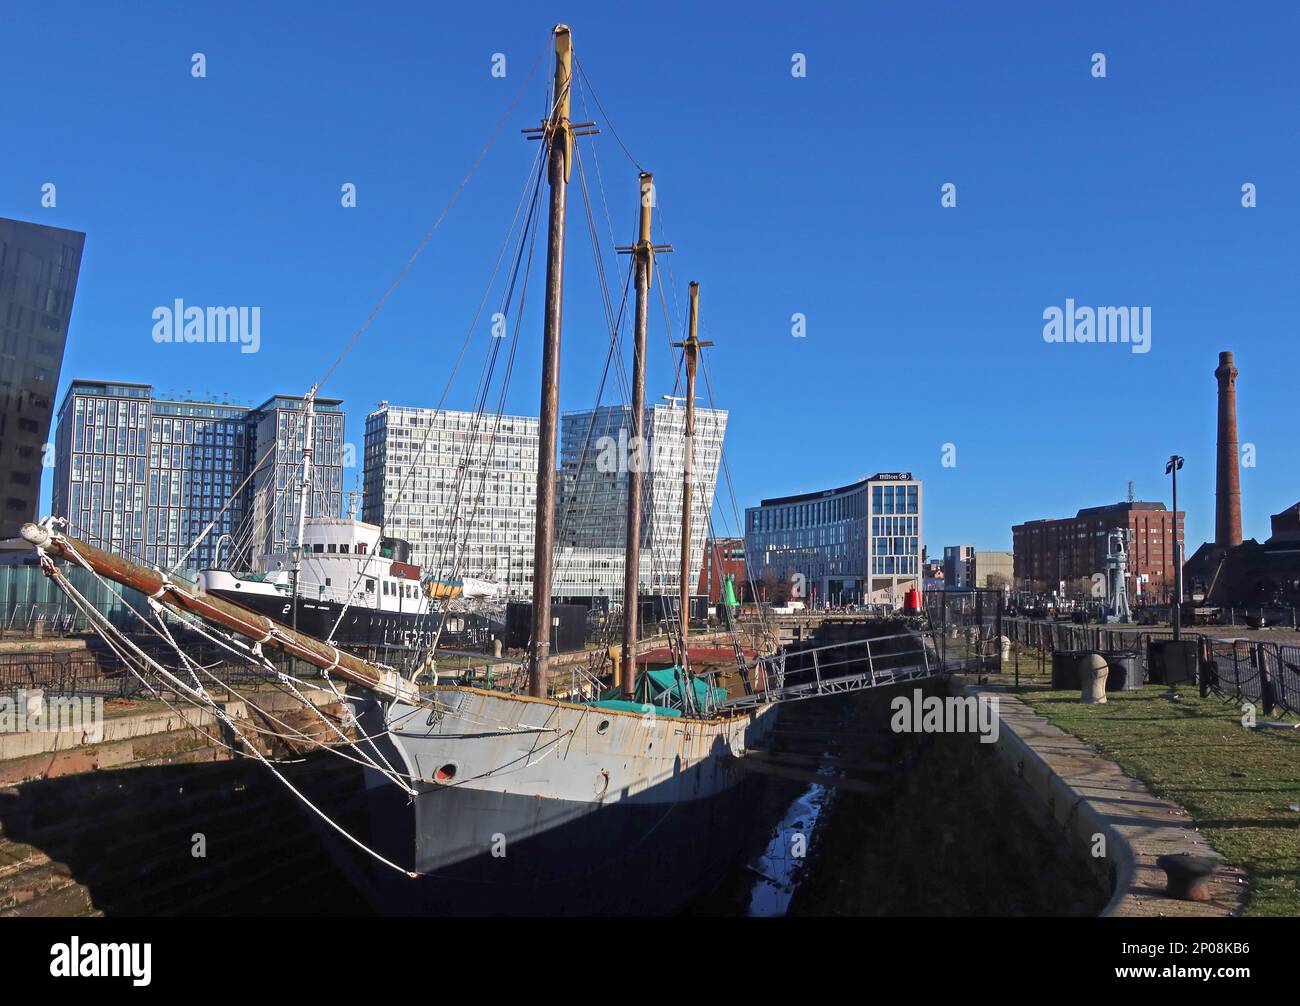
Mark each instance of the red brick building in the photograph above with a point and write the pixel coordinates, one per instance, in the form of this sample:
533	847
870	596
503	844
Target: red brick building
723	557
1073	549
1252	573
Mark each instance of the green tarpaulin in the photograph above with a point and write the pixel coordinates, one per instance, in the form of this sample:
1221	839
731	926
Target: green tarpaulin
655	688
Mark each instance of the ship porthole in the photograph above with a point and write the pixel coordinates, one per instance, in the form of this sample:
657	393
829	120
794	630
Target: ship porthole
445	773
602	726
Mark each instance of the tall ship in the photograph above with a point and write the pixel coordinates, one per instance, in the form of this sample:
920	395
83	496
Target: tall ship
575	788
626	797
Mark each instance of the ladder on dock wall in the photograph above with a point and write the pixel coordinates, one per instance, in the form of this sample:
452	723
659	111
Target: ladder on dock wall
852	666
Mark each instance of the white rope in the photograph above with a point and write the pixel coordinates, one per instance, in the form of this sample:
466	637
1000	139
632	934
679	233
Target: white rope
231	646
224	507
217	710
362	735
199	628
390	772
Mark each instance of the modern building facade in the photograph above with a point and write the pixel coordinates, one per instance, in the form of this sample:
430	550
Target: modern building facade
460	487
39	267
458	482
959	567
145	476
276	431
591	524
1051	556
853	544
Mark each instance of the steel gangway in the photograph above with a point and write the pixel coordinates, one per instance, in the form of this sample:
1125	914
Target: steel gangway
851	666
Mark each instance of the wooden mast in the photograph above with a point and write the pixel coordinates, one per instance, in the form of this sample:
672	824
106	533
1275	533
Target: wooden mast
556	131
643	251
692	352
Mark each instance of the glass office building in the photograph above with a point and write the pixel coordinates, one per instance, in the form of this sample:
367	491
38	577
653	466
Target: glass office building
144	477
38	278
855	544
275	436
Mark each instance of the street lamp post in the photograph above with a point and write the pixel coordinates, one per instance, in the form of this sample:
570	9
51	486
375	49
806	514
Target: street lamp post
1172	467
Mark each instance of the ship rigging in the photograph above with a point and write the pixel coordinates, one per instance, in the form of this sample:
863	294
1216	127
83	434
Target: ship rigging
594	780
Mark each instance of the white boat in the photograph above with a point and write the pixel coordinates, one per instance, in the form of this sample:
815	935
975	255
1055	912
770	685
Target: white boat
356	587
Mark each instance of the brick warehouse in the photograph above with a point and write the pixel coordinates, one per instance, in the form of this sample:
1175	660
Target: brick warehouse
1074	548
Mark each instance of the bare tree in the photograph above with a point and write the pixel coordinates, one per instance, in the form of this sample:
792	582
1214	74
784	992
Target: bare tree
998	581
777	587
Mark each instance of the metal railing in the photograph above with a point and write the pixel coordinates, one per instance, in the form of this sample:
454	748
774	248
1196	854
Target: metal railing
98	671
42	620
1262	673
851	666
65	673
1055	636
1258	671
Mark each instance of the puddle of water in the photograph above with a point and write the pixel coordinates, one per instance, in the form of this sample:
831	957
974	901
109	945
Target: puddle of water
778	868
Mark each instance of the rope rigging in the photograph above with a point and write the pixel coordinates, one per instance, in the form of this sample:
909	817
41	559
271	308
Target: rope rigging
189	683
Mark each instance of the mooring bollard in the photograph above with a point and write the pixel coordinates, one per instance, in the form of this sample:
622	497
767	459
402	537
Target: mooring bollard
1093	671
496	647
1188	875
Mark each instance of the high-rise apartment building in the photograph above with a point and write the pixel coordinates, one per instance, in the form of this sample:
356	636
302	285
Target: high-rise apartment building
959	567
459	486
449	481
591	524
276	432
144	476
38	278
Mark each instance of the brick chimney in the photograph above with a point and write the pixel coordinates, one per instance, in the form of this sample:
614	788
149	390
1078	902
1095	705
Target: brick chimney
1227	494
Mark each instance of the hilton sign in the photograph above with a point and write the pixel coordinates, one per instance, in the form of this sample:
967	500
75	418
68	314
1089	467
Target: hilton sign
891	477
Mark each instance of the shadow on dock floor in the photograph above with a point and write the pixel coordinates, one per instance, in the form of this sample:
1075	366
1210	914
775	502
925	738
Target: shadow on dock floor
124	842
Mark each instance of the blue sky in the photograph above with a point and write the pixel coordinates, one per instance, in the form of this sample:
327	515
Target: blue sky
782	195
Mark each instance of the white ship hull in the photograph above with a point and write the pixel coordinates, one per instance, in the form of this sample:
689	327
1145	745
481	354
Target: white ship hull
531	806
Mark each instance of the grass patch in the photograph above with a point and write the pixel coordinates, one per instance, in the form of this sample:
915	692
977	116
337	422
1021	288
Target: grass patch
1239	785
